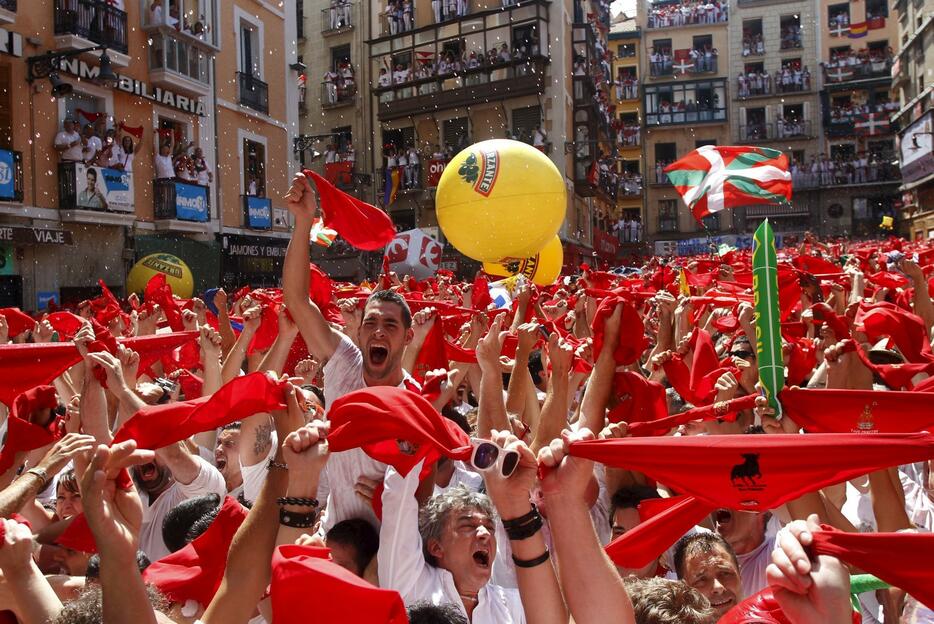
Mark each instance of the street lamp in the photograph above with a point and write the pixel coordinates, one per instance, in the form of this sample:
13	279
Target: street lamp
47	66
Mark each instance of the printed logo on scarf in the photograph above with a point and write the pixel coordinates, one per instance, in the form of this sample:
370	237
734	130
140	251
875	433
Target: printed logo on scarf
865	423
746	476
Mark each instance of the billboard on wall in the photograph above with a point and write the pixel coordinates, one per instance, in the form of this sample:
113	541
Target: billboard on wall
191	202
99	188
258	213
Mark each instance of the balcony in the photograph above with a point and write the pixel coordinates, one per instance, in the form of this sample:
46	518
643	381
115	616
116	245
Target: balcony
406	179
667	224
865	124
7	11
11	176
86	23
257	212
849	173
390	26
254	93
177	64
775	131
95	194
845	72
677	117
337	18
692	67
773	85
678	15
196	26
658	177
336	95
487	83
659	69
177	201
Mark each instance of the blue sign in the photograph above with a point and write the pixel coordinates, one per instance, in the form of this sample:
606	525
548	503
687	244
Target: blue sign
191	202
258	212
7	169
43	299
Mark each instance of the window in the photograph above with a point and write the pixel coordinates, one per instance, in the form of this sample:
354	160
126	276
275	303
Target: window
843	151
790	27
703	142
455	133
687	102
525	38
626	50
341	54
250	50
702	42
668	215
525	121
838	16
665	154
178	132
397	139
169	53
629	119
755	128
876	9
878	48
710	223
754	68
254	168
884	149
344	138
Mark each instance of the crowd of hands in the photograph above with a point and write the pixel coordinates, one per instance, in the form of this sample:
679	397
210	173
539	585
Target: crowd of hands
809	589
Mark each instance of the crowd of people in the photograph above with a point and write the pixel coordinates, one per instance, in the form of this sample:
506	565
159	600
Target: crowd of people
844	65
628	229
339	14
847	111
449	9
195	25
693	60
754	45
859	168
688	12
177	160
417	451
628	134
790	78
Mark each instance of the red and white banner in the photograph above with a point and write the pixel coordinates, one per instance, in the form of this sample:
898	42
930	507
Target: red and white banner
414	253
435	169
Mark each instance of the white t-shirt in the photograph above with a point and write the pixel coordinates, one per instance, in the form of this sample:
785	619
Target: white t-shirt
208	481
343	374
164	167
120	157
752	566
255	476
92	148
67	138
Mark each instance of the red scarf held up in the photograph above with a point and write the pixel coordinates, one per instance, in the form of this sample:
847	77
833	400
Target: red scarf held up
159	291
725	411
762	608
697	385
673	517
22	434
25	366
158	426
321	293
906	330
375	418
77	536
362	225
640	400
349	598
631	331
65	323
195	572
757	473
900	559
17	321
858	411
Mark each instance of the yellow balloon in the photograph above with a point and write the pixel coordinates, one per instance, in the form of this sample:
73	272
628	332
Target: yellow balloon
500	199
177	274
887	222
542	269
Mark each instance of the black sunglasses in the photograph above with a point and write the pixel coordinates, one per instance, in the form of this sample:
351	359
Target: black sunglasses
743	354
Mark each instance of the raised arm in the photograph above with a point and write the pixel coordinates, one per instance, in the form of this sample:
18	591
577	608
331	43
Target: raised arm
306	452
555	410
35	601
492	409
321	339
279	352
252	317
597	393
592	588
22	491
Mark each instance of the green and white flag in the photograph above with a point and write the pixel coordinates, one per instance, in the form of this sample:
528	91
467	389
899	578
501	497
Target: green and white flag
768	321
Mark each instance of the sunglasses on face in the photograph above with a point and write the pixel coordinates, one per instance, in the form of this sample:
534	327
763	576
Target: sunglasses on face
488	457
746	355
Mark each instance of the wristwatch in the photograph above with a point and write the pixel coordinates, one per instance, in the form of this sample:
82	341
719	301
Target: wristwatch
41	474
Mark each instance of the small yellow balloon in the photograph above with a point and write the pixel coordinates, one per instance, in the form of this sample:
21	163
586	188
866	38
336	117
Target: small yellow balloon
542	269
500	199
177	274
887	223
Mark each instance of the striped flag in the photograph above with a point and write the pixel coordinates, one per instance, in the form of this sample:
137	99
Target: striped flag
321	235
711	179
392	186
858	30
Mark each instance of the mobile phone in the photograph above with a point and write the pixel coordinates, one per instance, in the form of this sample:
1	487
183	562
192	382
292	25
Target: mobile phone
544	332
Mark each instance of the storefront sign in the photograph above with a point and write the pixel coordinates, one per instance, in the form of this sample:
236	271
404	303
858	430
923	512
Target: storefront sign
605	244
11	43
168	98
243	247
103	189
435	169
259	213
34	236
191	202
7	179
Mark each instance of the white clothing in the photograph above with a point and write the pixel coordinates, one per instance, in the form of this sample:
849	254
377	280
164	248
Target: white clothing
462	476
208	481
343	373
255	476
919	503
119	157
164	167
752	566
91	149
402	565
74	152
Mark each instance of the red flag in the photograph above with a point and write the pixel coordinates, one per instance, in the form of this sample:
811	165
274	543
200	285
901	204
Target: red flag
631	332
362	225
697	385
23	435
17	321
858	411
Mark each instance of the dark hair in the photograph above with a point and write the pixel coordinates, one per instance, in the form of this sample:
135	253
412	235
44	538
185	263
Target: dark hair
234	426
663	601
630	496
358	534
700	542
315	390
93	570
68	481
91	171
459	419
390	296
188	520
427	613
88	608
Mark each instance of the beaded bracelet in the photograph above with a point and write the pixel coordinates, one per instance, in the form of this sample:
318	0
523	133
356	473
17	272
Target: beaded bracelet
298	502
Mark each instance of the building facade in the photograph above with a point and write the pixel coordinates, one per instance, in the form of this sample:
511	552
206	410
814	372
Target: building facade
189	77
913	78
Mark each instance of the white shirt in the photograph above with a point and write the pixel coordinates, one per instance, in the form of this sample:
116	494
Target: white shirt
254	476
164	167
402	565
119	157
67	138
343	374
208	481
752	566
918	500
91	149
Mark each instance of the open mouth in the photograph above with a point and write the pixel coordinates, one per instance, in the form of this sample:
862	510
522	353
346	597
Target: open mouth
147	472
378	354
720	603
220	462
482	558
723	516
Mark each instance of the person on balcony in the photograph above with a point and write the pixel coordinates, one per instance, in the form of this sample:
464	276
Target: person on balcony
463	7
408	20
91	145
412	169
202	171
103	156
68	142
163	161
349	155
330	86
436	8
156	13
121	157
539	138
